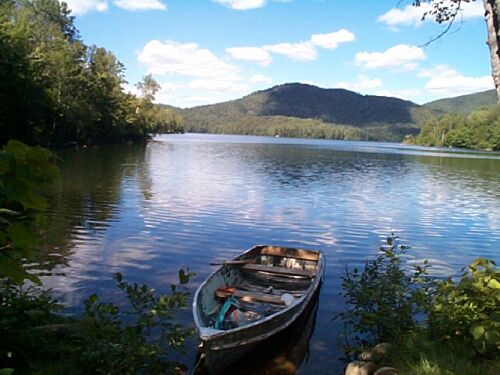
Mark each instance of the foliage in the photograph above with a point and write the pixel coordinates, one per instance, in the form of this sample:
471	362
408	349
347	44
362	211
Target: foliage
382	300
479	130
26	174
54	89
25	312
469	310
436	326
323	113
294	127
106	339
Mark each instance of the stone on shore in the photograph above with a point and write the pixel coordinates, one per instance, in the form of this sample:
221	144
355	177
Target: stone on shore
360	368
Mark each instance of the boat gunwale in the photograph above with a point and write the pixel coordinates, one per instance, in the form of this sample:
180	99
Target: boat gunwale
302	302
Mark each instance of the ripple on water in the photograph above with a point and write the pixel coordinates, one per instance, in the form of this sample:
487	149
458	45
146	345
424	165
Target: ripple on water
193	199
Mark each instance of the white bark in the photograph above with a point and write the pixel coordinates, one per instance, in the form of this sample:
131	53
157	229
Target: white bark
492	18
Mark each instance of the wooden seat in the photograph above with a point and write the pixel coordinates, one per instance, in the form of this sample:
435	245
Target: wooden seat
248	296
290	253
279	270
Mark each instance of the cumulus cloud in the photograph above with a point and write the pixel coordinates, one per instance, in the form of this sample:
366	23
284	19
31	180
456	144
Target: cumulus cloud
135	5
79	7
446	81
407	94
242	4
332	40
303	51
186	59
401	57
373	86
363	84
255	54
216	85
412	16
260	78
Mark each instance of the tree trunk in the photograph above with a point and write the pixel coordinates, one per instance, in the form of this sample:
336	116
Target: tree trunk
492	18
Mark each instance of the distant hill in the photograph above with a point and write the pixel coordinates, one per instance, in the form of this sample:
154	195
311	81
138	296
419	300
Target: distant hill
285	107
464	104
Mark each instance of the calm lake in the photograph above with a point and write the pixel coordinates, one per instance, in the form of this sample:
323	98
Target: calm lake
187	200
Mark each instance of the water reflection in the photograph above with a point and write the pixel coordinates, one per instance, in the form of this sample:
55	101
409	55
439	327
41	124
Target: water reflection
146	211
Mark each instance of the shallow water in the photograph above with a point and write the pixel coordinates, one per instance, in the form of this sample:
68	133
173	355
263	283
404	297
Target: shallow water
187	200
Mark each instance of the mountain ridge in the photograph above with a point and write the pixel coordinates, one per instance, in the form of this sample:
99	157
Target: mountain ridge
285	108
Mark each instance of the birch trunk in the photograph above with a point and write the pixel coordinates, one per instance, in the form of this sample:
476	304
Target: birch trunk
492	18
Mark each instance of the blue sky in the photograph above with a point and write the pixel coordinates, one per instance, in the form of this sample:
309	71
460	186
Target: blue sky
207	51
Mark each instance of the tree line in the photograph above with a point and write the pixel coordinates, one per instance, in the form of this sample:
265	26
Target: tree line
55	89
293	127
480	130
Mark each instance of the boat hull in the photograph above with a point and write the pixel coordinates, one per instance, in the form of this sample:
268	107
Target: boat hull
222	348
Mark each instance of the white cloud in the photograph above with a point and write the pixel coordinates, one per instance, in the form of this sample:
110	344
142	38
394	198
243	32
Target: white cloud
242	4
446	81
303	51
362	84
373	86
400	57
79	7
215	85
135	5
407	94
168	92
185	59
332	40
412	16
260	78
255	54
438	71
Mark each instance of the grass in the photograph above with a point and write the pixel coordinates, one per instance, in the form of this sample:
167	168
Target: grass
416	354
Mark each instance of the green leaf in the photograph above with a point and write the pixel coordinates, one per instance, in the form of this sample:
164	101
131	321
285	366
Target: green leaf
16	148
32	200
477	331
21	235
494	284
6	371
183	276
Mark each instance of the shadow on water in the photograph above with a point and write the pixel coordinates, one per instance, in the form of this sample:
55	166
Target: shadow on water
281	354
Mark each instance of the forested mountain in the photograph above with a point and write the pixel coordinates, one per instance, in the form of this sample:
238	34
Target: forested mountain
464	104
296	109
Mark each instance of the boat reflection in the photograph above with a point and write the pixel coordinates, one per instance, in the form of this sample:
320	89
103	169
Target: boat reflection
282	354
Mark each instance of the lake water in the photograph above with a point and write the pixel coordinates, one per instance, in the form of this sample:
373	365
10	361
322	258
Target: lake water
187	200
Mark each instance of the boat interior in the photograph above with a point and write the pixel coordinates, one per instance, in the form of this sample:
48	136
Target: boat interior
257	284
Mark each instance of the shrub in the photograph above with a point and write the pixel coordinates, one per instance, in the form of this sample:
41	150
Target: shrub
383	300
468	311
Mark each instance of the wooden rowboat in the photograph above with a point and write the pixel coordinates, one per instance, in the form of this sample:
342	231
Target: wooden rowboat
253	297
